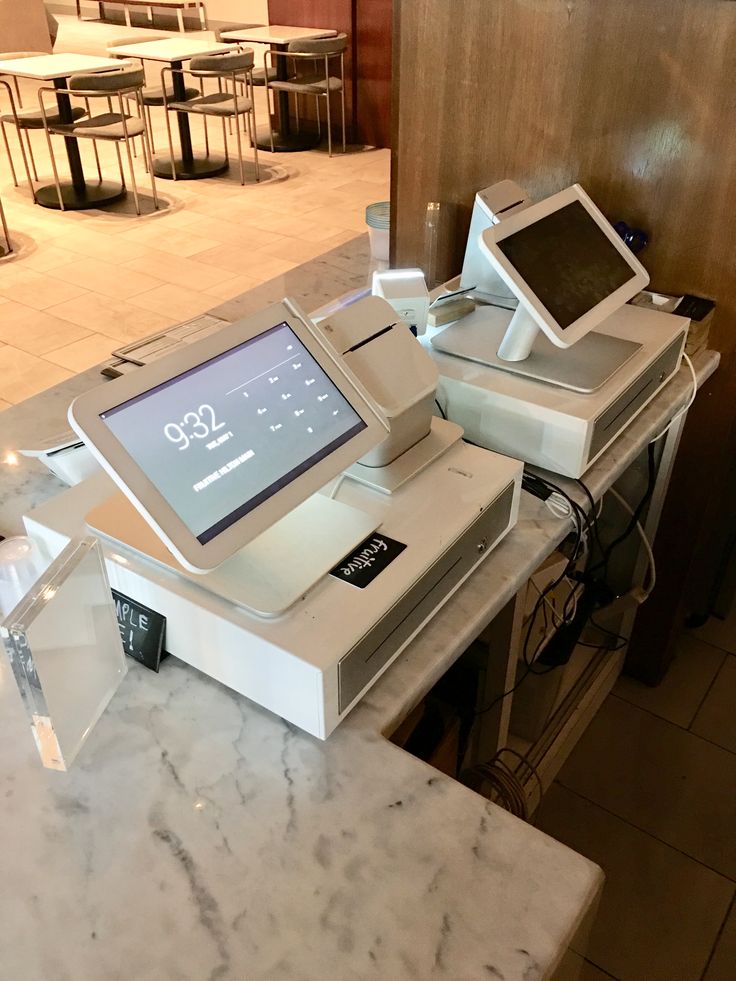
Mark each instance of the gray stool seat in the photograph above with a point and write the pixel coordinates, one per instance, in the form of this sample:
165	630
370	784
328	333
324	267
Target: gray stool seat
234	70
153	95
113	124
215	104
309	85
259	75
33	119
106	126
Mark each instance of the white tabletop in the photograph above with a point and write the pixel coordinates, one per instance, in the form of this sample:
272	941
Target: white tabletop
51	66
278	34
171	50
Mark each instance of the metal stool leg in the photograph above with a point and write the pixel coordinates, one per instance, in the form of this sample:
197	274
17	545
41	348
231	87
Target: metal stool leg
342	97
240	149
5	229
53	167
7	150
171	144
329	125
30	153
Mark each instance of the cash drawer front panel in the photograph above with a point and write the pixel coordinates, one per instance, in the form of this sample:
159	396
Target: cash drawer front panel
372	652
613	420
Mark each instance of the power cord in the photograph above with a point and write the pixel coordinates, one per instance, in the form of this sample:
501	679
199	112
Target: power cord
689	402
505	787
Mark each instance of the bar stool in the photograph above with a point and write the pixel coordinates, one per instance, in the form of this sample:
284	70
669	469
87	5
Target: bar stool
117	127
152	95
6	233
320	84
259	74
26	120
14	117
235	68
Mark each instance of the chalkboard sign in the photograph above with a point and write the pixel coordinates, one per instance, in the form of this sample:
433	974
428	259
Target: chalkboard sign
142	631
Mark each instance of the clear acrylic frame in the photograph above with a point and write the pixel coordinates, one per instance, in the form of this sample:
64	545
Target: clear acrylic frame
63	643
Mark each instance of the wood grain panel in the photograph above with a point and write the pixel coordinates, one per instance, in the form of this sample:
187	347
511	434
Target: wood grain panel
373	71
339	16
635	100
367	61
26	29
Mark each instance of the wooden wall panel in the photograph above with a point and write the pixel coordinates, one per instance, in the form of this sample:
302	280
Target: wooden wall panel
635	100
373	29
367	61
23	26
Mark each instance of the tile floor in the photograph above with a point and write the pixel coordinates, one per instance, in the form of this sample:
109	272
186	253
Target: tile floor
84	282
650	794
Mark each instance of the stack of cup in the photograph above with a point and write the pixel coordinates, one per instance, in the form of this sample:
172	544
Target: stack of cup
378	220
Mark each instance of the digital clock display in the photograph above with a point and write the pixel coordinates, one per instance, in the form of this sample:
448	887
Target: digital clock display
221	438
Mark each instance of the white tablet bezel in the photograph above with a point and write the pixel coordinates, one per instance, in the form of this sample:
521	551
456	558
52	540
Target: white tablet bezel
567	336
85	411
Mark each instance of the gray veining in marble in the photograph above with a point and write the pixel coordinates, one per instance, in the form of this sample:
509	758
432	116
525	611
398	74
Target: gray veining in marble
200	837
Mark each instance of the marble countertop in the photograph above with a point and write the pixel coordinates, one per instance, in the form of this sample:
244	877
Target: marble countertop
199	836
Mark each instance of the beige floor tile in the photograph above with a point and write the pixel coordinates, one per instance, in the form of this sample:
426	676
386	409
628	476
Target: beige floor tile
100	245
233	287
181	271
179	241
41	290
35	331
293	249
173	301
661	778
257	264
660	911
720	633
23	375
235	232
47	257
104	277
83	354
722	966
116	319
678	696
716	719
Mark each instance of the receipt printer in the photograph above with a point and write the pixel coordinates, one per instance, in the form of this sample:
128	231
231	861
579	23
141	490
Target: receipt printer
396	370
406	291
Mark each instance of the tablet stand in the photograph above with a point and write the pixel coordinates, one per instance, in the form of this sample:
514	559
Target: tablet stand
269	574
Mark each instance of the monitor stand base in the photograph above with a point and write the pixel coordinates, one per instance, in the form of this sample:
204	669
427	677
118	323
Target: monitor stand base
269	574
585	367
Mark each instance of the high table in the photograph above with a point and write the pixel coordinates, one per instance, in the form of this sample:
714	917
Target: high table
77	194
174	52
279	37
197	835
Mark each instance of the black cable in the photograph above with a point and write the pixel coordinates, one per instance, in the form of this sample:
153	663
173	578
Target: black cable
593	514
636	515
442	411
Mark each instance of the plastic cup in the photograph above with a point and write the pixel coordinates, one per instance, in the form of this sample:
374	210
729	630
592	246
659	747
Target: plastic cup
378	220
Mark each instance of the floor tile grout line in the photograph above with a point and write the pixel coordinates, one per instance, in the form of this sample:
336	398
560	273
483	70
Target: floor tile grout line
603	970
723	875
731	908
675	725
710	643
705	696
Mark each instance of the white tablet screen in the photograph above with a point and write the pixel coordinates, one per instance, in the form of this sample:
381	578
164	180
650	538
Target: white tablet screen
221	438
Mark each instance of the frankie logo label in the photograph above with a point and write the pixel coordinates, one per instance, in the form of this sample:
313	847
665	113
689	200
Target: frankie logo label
368	560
